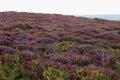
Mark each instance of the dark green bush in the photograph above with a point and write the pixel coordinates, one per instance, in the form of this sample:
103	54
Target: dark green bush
97	20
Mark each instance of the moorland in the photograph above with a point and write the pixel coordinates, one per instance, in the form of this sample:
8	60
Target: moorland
36	46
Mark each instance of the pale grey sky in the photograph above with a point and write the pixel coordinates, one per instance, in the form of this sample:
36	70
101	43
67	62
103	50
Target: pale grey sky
67	7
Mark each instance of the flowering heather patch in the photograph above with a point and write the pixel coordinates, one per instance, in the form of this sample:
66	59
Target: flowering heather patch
45	40
6	50
102	57
109	36
58	47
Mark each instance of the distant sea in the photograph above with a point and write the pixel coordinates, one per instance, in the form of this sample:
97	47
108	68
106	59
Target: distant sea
108	17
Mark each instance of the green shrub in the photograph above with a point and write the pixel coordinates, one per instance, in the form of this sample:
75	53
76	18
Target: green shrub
62	46
97	20
90	75
102	77
18	67
118	66
9	69
89	47
114	50
8	73
53	74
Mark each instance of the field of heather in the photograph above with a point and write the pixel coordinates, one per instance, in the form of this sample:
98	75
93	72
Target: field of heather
58	47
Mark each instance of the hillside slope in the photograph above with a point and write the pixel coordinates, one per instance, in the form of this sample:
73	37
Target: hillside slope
67	43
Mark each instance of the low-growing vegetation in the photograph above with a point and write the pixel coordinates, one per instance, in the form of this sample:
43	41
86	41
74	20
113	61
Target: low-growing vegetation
90	75
56	47
62	46
15	67
98	20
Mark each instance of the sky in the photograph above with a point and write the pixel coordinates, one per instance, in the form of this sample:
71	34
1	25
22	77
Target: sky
66	7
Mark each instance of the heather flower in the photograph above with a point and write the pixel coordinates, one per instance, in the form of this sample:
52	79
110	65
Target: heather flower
5	49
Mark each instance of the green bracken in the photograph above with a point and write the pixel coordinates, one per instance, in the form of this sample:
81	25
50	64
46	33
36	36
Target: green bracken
90	75
53	74
62	46
118	66
15	67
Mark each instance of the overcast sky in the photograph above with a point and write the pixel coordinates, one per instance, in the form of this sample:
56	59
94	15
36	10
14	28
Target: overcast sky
69	7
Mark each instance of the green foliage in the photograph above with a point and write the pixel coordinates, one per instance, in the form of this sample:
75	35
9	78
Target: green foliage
118	66
8	73
89	47
90	75
80	74
53	74
97	20
114	50
62	46
102	77
15	67
9	70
